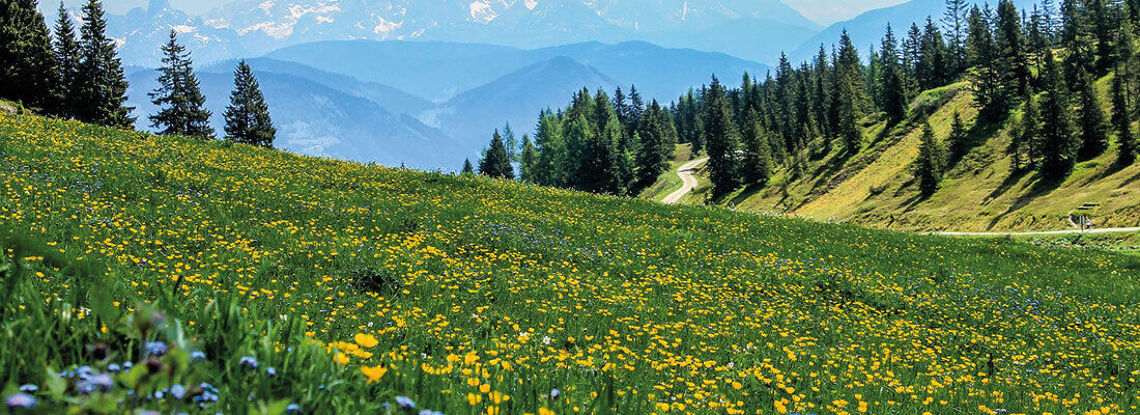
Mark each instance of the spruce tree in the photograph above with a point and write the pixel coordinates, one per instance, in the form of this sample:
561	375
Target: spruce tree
467	167
933	59
990	94
553	165
511	141
954	20
178	95
1013	58
496	162
959	140
757	164
723	140
893	93
528	160
102	87
247	116
656	145
931	163
1024	145
1092	124
1122	120
1104	26
67	57
1057	143
27	62
599	170
850	97
636	106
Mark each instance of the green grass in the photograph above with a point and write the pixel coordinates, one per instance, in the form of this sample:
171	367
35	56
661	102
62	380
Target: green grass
470	295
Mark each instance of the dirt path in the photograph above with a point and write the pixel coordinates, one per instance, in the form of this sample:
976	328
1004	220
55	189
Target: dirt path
1039	233
688	181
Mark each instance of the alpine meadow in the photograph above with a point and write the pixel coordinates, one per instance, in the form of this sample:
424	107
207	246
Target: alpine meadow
281	207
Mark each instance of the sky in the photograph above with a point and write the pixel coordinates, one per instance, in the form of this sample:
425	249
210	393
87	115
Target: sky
824	12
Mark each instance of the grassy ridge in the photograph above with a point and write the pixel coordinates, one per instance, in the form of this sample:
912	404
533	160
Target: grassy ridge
876	187
360	284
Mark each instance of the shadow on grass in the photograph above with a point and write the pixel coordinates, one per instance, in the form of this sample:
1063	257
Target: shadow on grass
1040	188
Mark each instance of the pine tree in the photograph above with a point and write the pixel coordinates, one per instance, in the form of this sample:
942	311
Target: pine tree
959	140
757	163
931	163
636	106
954	21
933	62
67	63
723	140
1122	121
849	95
511	141
247	116
893	94
989	92
600	168
656	145
1058	145
102	90
1104	26
1024	145
528	160
496	162
1013	60
1091	123
553	165
467	167
27	62
621	107
178	96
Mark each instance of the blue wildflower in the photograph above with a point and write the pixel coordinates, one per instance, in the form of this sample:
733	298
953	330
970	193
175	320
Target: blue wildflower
21	400
29	388
271	372
178	392
198	355
114	367
293	409
249	362
102	382
156	348
405	403
555	393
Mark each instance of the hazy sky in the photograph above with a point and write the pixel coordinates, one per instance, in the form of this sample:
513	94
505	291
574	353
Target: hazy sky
825	12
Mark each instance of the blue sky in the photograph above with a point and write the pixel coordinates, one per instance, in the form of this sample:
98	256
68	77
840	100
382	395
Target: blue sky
825	12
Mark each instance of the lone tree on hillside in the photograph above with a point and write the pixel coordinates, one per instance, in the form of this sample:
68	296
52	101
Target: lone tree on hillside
497	162
931	163
182	105
247	116
102	88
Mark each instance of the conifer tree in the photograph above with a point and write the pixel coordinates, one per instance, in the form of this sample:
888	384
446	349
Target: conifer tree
954	20
893	93
178	96
599	170
552	166
656	145
102	89
849	96
1122	120
959	140
621	108
528	160
247	116
636	106
986	79
27	62
1013	60
757	163
1104	25
1057	144
467	167
67	52
933	58
723	140
511	141
496	162
1024	144
1092	124
931	163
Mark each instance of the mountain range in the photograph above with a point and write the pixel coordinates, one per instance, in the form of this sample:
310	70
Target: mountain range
424	82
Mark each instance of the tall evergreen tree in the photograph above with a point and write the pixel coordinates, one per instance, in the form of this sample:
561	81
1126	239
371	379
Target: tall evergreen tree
528	160
247	116
1092	124
757	164
636	106
102	90
511	141
1013	59
954	21
990	94
931	163
1058	145
656	145
178	95
496	162
849	95
467	167
553	165
893	94
1122	121
1104	26
27	62
723	140
932	66
67	57
1024	145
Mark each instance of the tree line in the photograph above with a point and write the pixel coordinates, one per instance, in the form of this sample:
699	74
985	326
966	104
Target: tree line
79	76
1037	68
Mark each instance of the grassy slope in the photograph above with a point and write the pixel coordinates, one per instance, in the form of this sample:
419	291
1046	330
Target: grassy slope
876	188
480	288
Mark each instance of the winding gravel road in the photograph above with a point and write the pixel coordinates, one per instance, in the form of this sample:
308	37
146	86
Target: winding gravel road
688	181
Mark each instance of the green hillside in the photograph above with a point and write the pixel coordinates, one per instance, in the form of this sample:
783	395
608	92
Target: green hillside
348	288
877	188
